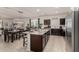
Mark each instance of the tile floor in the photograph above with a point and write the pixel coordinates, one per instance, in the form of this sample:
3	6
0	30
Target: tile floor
55	44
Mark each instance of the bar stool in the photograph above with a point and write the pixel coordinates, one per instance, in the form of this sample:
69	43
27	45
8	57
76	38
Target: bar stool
20	34
9	37
25	40
17	36
6	35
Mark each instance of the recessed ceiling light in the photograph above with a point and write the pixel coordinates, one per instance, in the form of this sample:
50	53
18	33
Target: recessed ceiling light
20	12
38	10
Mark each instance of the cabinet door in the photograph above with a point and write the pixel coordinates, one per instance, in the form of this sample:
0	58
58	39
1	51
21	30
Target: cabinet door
52	32
47	22
36	43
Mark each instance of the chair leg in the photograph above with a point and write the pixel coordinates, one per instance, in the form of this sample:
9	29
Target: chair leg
5	37
24	42
8	38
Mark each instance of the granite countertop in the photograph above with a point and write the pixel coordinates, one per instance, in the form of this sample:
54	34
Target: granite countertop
40	31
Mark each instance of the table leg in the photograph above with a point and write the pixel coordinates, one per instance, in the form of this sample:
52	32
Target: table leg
5	37
12	37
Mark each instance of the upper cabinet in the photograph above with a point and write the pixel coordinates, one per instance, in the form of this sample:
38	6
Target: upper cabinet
47	22
62	21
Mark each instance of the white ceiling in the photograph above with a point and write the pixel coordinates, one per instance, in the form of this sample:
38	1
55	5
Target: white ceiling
12	12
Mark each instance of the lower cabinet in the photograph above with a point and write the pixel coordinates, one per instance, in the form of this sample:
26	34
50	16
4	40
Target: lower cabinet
58	32
38	42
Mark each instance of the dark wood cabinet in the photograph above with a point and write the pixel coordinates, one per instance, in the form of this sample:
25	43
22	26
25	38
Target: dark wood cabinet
55	31
47	22
38	42
62	21
58	32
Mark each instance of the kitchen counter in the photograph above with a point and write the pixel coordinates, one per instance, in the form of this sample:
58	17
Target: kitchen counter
39	39
40	31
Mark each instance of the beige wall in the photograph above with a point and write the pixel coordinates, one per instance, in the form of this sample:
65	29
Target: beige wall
20	22
55	21
7	22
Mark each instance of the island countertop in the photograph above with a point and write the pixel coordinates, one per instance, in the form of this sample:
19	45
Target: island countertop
40	31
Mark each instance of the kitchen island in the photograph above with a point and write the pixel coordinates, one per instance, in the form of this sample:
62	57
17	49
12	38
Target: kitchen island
39	39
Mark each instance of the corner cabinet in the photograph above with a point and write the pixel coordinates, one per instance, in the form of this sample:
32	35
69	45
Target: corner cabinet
38	42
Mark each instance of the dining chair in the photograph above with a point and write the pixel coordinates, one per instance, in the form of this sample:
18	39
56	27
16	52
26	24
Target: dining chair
25	39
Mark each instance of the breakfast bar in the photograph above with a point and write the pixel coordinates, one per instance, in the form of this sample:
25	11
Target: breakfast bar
39	39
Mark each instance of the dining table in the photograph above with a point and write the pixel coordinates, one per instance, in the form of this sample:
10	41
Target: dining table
12	35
